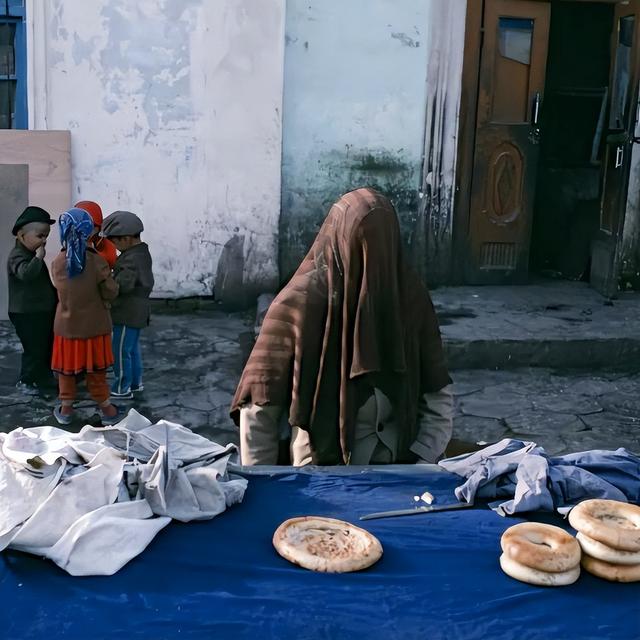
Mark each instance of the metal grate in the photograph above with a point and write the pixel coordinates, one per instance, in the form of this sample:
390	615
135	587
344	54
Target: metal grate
499	255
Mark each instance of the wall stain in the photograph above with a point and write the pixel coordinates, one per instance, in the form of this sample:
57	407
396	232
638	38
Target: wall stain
305	205
406	40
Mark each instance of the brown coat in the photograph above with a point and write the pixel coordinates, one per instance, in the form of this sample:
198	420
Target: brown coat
83	301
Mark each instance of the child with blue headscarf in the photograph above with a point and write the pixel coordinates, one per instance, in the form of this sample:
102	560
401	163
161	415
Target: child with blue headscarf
82	325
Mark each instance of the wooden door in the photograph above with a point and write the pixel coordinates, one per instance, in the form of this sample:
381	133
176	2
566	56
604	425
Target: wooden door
622	121
512	73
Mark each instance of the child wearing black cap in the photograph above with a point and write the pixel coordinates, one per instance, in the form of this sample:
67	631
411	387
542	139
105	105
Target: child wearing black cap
32	299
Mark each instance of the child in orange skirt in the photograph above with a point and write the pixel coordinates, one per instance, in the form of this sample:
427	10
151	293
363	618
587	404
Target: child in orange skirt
82	325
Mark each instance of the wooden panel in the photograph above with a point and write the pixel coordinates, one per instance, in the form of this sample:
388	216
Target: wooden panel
14	197
505	179
512	72
511	97
48	156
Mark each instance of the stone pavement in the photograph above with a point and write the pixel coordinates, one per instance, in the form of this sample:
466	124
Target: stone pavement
193	361
191	366
551	323
562	411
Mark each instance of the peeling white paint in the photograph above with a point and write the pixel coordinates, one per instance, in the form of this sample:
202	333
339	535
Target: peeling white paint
175	112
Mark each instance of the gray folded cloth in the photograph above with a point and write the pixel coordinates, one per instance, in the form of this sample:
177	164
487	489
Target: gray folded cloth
533	480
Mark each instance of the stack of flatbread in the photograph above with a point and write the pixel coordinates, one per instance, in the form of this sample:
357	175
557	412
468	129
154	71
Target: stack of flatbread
609	534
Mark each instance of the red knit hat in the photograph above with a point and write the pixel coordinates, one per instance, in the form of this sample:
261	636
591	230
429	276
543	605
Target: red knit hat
93	209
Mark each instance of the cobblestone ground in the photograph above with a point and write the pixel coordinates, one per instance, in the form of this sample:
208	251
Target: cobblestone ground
562	411
191	367
192	364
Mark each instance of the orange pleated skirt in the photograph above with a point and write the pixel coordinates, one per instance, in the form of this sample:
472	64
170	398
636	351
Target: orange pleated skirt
81	355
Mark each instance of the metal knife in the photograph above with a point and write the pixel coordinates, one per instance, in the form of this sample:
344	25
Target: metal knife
417	510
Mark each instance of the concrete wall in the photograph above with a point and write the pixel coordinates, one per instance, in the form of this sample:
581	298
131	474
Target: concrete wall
355	107
174	108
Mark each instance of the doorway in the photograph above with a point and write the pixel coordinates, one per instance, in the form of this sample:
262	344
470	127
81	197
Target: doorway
570	172
547	129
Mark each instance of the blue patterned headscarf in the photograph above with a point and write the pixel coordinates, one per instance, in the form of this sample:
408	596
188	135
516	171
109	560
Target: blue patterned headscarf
76	226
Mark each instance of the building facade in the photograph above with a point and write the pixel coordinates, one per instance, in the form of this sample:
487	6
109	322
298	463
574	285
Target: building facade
230	126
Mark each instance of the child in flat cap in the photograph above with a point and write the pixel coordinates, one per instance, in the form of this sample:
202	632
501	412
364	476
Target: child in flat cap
131	309
32	299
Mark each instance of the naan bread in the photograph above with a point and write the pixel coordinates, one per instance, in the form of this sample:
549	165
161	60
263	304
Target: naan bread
326	544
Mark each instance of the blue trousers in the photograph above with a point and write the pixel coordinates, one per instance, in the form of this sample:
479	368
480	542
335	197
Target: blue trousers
127	367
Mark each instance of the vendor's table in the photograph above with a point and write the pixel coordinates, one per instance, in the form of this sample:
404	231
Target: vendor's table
439	576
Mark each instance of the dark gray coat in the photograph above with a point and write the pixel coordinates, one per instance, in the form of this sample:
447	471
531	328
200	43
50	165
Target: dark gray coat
30	287
134	275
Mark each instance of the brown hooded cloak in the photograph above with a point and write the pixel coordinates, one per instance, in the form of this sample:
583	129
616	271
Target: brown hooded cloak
353	317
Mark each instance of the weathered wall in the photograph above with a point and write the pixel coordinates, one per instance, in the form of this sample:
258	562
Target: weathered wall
174	108
355	106
433	246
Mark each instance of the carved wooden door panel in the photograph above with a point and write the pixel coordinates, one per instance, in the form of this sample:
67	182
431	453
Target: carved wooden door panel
512	73
623	130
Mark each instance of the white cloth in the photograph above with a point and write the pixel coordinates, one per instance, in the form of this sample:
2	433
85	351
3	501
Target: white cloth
87	500
103	541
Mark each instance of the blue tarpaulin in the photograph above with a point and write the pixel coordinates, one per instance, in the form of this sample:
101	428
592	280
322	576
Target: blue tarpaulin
439	576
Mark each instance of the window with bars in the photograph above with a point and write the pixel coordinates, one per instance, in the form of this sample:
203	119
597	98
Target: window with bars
13	65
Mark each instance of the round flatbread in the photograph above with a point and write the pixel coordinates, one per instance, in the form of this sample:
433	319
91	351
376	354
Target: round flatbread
326	544
534	576
541	546
612	572
602	552
614	523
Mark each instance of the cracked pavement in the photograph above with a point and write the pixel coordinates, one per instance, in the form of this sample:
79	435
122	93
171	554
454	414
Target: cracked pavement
192	363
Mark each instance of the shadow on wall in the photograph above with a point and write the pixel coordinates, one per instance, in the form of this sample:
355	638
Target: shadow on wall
228	287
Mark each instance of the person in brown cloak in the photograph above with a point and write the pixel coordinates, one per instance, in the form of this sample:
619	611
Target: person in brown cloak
351	348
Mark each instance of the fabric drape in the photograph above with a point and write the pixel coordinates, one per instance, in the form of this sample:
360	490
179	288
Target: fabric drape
353	317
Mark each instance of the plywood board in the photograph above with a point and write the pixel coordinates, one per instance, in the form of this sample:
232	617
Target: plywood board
48	156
